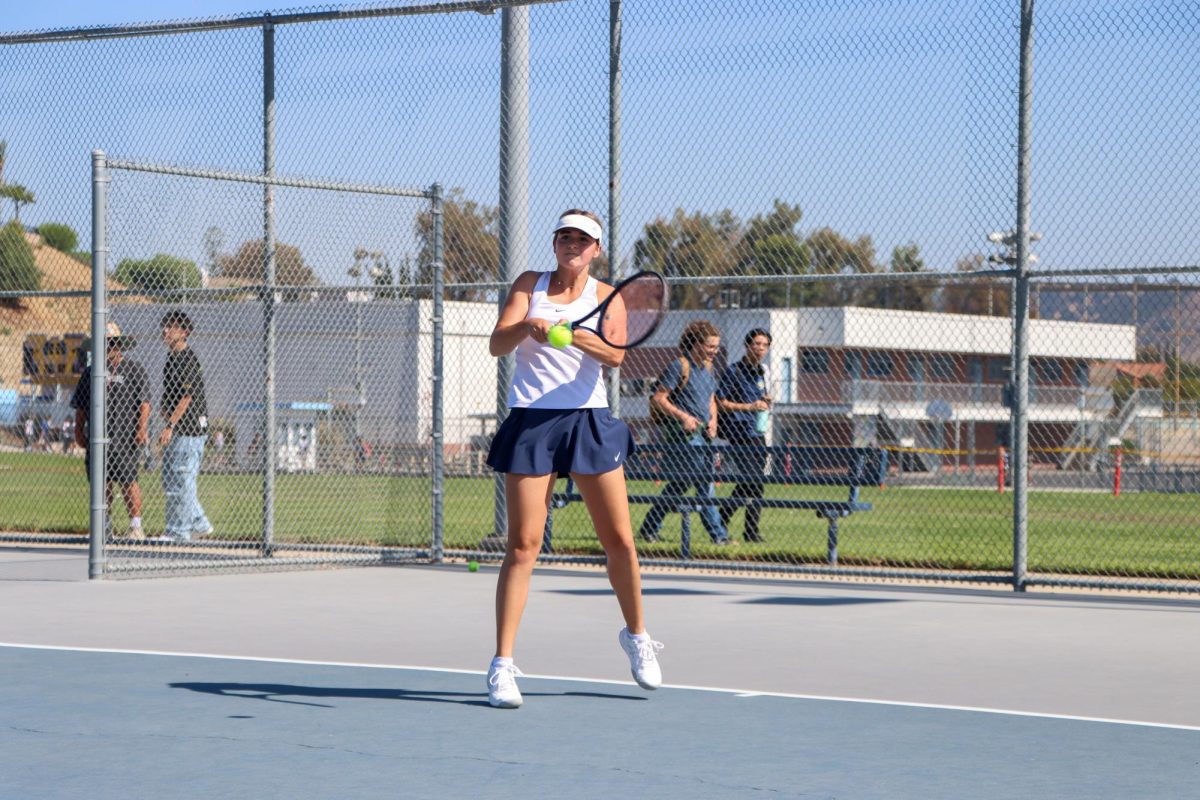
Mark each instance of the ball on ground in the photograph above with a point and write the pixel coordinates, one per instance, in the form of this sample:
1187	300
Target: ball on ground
472	566
559	336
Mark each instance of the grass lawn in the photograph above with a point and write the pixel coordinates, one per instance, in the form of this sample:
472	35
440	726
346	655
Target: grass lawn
1092	533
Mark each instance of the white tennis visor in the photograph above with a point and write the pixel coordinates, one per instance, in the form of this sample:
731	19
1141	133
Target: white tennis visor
580	223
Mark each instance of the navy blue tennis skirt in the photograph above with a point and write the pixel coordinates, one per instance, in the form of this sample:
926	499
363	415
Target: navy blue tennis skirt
540	441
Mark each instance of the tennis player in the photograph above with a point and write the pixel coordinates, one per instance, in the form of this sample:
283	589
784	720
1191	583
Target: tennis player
558	425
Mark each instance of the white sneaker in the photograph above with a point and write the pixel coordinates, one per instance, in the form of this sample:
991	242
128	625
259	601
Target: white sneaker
643	659
135	532
502	685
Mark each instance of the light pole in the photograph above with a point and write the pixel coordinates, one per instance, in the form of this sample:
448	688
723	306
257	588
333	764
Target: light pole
357	272
1008	254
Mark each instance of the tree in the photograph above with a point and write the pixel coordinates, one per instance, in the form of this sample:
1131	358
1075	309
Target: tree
771	245
690	245
18	269
470	246
61	237
19	195
981	296
830	253
3	156
162	272
249	264
909	295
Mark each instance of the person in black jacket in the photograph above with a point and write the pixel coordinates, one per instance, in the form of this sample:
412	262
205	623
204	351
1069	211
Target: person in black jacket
185	412
744	400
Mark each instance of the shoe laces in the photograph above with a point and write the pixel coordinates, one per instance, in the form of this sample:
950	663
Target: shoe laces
647	649
504	676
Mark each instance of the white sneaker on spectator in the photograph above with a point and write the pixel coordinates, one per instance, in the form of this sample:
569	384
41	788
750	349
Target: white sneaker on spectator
643	658
201	534
502	685
135	532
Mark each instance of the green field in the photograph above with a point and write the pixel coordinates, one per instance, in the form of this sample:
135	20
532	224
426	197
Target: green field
1150	535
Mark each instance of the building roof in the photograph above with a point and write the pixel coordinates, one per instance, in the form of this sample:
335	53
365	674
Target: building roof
889	329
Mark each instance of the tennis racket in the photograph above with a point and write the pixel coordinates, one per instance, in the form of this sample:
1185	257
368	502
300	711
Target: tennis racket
631	314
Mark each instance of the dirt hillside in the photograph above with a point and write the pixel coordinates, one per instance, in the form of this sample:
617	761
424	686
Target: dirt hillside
46	315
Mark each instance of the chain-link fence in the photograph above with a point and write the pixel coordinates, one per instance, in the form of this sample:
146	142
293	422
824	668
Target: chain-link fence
840	177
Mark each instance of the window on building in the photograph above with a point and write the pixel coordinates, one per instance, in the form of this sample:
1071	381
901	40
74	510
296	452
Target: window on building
941	367
853	365
814	362
1049	370
785	381
997	370
1082	376
879	365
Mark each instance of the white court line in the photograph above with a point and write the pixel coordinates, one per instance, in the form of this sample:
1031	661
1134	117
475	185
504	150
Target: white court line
741	693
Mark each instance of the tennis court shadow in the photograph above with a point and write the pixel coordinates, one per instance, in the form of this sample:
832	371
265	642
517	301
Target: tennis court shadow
785	600
646	591
276	692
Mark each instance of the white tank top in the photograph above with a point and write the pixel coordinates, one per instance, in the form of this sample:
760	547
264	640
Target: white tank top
546	377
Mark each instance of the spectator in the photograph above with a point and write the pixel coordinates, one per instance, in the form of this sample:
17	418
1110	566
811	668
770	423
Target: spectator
66	435
28	434
126	422
744	400
688	407
185	410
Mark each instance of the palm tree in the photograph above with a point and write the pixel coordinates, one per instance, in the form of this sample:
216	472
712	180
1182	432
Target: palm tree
19	195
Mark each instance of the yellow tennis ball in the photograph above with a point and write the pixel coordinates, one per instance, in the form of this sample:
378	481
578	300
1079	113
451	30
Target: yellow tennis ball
559	336
473	566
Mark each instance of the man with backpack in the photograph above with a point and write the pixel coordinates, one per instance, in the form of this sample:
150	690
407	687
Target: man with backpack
685	408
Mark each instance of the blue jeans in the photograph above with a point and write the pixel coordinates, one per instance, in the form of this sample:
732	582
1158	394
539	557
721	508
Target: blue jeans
697	462
180	467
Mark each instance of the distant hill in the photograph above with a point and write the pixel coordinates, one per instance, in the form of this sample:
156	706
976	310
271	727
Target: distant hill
1161	314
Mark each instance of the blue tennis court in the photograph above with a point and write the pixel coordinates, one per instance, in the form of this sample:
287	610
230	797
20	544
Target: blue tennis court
118	725
369	683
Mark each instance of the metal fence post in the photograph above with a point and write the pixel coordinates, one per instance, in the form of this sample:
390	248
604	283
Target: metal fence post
514	198
1020	444
97	429
438	464
614	173
268	290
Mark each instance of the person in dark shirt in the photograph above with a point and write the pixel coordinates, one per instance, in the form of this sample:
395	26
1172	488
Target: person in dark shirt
744	401
185	412
126	419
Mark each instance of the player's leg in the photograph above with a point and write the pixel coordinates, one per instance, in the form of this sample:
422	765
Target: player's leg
738	460
528	500
607	503
132	492
659	509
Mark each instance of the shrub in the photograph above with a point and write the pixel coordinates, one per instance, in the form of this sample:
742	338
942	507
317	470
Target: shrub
61	237
18	270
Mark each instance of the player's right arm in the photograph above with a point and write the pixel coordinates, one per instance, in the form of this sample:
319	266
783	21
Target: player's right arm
512	327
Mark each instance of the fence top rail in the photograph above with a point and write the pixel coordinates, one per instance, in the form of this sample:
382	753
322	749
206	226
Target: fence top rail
272	180
1101	272
260	20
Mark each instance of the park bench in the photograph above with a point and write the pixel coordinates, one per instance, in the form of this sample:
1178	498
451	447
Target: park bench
850	468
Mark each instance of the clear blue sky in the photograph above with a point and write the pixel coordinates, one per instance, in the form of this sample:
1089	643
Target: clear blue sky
890	119
22	16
